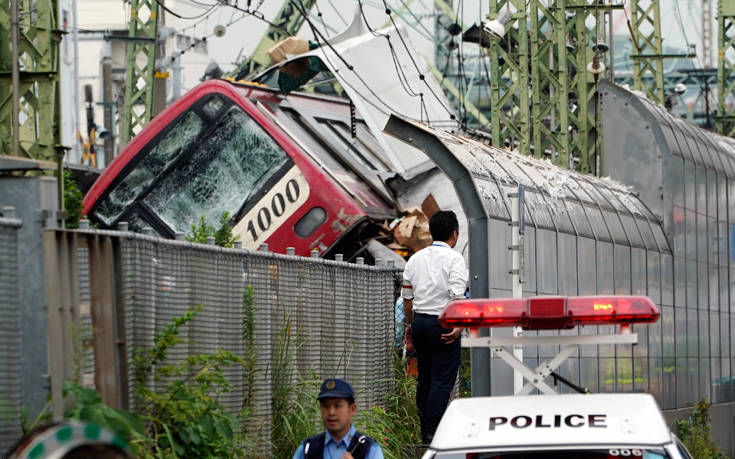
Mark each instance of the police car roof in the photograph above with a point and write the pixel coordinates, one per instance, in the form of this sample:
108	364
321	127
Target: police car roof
552	420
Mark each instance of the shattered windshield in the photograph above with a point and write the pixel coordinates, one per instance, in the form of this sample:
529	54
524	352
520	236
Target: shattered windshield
223	170
155	162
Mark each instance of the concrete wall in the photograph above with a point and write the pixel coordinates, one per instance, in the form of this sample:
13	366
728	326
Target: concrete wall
35	200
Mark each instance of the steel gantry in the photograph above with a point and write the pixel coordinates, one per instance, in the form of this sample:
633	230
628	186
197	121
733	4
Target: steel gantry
648	58
725	67
549	80
509	77
29	65
542	87
141	67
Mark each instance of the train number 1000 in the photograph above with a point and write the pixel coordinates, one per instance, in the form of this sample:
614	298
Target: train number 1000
277	207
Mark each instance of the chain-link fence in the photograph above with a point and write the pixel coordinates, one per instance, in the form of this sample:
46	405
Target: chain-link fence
10	340
337	318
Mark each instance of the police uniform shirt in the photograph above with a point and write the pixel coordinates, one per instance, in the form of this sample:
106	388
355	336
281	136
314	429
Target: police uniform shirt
335	450
432	277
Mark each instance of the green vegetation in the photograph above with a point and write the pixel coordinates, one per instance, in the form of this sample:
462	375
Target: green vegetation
695	433
72	202
183	417
178	412
248	429
223	236
293	407
395	425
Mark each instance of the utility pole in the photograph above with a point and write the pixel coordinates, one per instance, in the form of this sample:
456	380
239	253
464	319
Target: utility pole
707	33
160	75
107	105
14	16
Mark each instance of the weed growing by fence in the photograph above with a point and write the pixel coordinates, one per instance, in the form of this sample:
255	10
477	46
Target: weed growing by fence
185	419
395	425
223	236
72	202
249	431
695	433
294	408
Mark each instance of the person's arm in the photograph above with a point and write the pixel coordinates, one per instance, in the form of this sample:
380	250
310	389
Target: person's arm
299	454
457	284
458	277
407	294
407	311
375	452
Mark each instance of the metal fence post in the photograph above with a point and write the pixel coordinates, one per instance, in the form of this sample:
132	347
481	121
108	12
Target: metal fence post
62	298
107	350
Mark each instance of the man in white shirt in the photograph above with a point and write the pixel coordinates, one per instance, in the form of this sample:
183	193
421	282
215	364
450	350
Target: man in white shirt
433	276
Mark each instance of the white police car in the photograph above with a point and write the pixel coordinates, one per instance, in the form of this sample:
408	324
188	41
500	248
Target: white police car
552	426
599	426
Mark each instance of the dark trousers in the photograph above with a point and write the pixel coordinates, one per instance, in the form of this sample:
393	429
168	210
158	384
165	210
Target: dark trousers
438	363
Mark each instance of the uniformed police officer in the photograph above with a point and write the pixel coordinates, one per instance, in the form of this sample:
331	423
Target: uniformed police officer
341	440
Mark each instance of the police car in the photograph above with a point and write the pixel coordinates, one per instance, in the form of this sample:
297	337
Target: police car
552	426
570	426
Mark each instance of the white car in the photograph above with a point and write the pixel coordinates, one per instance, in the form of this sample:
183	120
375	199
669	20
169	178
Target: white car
597	426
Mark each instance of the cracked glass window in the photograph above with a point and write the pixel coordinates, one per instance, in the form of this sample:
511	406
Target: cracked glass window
154	162
236	161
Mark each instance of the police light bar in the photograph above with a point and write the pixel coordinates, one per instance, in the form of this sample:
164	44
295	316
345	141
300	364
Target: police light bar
549	313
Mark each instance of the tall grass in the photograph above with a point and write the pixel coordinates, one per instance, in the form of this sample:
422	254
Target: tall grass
294	409
394	424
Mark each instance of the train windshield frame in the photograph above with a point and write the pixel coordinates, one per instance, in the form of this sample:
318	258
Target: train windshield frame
213	157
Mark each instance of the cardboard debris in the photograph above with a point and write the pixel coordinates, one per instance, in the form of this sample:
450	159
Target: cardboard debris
413	230
289	47
429	206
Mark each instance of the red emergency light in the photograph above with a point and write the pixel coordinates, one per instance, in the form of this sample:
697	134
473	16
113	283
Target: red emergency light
549	313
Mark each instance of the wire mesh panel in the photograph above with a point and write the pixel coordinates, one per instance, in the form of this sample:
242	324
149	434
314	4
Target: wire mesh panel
330	319
9	334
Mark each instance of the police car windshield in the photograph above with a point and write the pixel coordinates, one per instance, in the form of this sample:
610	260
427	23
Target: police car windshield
575	454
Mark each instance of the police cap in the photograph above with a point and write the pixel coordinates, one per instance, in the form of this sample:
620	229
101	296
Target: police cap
335	388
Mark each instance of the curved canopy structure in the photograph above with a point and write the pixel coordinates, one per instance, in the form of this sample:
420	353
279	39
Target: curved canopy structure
556	199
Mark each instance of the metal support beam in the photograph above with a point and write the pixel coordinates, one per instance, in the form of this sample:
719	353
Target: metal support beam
648	60
549	80
141	63
474	210
509	80
29	111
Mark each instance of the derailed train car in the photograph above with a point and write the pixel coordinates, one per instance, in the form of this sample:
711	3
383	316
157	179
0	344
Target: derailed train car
301	170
